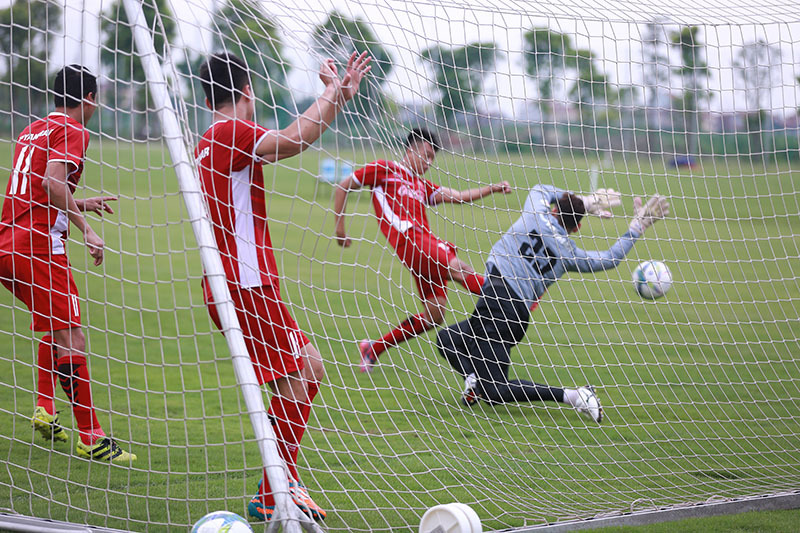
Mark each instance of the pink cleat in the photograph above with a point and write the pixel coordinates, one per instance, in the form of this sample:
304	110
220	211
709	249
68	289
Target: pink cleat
368	357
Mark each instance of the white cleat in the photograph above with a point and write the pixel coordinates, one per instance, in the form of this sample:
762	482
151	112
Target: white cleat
470	396
588	404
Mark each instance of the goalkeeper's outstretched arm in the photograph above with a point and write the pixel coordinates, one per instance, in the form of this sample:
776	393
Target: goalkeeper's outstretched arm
578	260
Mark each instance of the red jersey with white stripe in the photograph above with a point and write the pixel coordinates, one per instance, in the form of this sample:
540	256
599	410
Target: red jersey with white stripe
400	198
29	225
233	182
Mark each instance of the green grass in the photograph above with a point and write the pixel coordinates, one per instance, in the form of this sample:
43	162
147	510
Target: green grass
700	388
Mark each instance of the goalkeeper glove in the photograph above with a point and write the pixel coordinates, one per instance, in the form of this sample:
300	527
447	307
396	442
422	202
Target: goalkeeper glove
646	215
601	201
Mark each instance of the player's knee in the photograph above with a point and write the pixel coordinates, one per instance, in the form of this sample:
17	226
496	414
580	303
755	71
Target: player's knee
70	340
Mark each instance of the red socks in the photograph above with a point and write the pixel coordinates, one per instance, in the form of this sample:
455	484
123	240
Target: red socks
408	329
74	378
289	421
473	282
46	381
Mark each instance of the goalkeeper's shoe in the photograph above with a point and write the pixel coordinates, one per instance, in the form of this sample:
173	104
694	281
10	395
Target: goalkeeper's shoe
302	499
470	395
47	425
368	357
105	449
588	404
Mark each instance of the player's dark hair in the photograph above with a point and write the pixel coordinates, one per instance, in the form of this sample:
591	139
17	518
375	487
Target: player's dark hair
224	77
570	210
73	83
421	134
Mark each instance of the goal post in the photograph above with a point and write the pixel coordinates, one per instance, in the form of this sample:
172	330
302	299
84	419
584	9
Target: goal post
286	515
699	388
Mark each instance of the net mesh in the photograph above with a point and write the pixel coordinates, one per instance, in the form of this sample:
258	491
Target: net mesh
697	102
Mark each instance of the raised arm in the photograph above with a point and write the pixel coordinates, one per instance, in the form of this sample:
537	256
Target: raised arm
309	126
452	196
60	196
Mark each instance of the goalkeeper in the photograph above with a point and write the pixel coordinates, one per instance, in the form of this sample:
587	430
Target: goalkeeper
530	257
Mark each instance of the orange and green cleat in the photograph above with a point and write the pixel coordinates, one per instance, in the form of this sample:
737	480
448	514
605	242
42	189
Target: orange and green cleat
303	500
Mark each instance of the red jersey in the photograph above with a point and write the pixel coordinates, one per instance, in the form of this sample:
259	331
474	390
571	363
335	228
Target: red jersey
29	224
400	198
233	182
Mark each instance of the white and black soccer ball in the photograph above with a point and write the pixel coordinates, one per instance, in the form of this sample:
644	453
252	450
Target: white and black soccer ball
222	522
652	279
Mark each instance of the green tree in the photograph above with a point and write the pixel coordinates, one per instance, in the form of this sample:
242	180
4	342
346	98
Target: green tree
590	91
119	56
459	73
547	56
655	79
338	37
692	71
24	30
242	28
755	67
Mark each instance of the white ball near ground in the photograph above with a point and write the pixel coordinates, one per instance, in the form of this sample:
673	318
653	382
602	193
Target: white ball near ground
652	279
222	522
450	518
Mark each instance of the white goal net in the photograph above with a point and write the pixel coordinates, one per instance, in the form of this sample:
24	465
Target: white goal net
699	388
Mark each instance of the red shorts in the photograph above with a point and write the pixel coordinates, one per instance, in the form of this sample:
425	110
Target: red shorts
44	284
271	334
428	258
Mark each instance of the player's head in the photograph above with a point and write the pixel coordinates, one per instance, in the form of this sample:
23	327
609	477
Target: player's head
226	80
421	147
73	87
569	210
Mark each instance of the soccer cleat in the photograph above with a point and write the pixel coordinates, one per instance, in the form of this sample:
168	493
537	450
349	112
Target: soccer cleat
47	425
105	449
368	357
588	404
303	500
256	509
470	396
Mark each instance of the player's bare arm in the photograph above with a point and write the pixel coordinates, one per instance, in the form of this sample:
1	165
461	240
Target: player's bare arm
339	204
60	196
309	126
452	196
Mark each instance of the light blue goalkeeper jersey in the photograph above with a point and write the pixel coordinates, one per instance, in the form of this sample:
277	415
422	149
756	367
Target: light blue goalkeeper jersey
536	250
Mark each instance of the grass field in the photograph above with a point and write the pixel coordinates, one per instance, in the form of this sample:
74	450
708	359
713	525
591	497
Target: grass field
700	388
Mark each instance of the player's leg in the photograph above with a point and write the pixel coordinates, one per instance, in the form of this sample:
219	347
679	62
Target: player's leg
284	359
464	274
453	342
45	418
434	298
73	375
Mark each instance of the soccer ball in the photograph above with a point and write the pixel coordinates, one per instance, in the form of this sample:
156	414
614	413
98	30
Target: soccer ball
222	522
652	279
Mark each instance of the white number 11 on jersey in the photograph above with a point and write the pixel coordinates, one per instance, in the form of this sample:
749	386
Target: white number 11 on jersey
22	166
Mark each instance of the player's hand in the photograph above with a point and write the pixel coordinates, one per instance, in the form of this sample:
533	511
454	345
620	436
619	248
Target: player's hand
503	187
342	239
97	204
95	245
600	202
648	214
357	67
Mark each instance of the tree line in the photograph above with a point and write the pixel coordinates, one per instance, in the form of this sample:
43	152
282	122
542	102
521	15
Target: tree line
568	79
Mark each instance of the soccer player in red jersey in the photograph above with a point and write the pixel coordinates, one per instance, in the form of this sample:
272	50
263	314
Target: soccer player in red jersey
37	210
230	156
400	196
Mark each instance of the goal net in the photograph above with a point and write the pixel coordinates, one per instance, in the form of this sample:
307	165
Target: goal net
699	388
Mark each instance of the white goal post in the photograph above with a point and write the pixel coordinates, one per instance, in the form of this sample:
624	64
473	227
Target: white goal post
699	388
